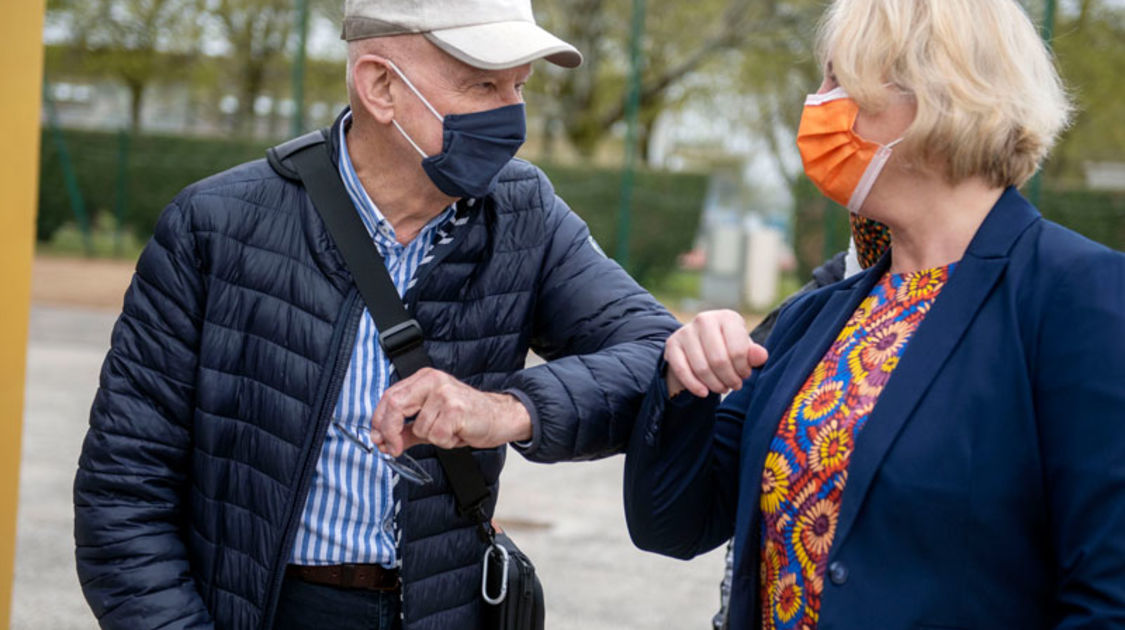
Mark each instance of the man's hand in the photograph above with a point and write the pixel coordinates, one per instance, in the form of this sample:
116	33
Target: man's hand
712	353
448	414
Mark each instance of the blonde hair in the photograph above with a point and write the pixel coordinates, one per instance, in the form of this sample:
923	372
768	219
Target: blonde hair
989	100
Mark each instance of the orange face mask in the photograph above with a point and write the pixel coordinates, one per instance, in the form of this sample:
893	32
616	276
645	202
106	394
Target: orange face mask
843	165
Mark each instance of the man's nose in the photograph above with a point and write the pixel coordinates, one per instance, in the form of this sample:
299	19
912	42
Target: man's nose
511	96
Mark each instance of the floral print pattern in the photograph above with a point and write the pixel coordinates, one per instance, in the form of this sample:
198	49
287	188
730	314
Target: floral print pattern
806	468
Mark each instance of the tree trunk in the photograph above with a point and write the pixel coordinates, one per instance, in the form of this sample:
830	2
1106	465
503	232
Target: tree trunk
547	131
274	127
1084	14
136	104
252	77
644	139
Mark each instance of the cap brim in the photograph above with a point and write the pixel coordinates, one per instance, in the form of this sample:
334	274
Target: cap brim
502	45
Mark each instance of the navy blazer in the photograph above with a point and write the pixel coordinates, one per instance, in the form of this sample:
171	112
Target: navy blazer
987	489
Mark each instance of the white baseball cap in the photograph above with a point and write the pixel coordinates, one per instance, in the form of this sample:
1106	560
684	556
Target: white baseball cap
486	34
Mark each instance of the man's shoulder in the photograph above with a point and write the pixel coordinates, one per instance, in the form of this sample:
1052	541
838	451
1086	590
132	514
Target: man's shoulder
242	199
523	187
246	181
249	194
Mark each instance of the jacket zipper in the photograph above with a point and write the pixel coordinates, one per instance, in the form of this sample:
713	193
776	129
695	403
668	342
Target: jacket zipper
411	296
343	338
410	300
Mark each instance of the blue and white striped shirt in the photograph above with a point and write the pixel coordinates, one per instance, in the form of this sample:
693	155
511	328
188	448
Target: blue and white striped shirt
349	516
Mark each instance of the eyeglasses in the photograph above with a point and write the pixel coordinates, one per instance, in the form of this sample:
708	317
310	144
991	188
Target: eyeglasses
404	465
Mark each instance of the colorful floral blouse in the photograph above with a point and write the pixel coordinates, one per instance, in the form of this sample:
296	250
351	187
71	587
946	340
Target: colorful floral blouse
807	464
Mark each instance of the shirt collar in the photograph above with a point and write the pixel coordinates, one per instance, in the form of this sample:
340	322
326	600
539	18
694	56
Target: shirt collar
377	225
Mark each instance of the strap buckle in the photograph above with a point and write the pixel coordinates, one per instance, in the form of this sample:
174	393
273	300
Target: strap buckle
484	526
401	338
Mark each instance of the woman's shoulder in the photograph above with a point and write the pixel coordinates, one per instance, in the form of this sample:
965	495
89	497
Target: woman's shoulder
1065	244
1057	274
1052	253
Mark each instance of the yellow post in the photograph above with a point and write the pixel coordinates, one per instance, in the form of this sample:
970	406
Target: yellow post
21	75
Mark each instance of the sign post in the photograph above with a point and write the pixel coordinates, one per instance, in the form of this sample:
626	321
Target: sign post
21	76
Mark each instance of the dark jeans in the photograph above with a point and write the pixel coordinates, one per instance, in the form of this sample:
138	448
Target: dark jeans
305	606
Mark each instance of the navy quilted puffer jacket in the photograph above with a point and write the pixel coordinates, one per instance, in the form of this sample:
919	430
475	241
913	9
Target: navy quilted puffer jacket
226	363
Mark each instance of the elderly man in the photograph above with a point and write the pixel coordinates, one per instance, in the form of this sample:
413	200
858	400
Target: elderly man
231	476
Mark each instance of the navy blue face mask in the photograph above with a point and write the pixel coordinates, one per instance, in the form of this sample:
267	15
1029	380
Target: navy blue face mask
475	147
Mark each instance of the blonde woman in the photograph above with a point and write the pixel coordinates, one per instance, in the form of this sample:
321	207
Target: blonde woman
939	441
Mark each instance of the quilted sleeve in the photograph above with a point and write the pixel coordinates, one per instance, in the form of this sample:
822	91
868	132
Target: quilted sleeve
602	335
132	482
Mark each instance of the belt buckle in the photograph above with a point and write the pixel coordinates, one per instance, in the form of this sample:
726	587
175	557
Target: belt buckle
348	575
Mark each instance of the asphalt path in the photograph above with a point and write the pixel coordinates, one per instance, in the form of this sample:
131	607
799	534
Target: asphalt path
567	517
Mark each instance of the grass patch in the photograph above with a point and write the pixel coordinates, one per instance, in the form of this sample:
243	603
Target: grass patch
105	241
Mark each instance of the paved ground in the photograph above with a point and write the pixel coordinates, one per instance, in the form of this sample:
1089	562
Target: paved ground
567	517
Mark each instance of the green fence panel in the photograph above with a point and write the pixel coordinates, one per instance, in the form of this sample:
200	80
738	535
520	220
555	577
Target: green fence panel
667	206
821	227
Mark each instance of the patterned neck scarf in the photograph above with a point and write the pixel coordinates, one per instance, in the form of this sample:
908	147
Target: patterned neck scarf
872	239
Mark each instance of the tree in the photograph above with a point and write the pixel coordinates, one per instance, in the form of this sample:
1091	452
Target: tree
681	39
1090	46
122	39
258	34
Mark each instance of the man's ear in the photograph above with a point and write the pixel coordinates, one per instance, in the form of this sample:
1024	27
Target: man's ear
371	78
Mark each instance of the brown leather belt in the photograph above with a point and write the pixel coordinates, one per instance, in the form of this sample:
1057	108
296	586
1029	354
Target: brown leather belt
370	577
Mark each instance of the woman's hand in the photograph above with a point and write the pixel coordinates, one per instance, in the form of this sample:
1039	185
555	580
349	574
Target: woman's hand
712	353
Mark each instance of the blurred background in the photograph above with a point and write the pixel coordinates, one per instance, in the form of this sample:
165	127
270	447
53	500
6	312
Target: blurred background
674	141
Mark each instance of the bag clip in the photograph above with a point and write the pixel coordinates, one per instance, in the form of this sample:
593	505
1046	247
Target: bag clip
503	575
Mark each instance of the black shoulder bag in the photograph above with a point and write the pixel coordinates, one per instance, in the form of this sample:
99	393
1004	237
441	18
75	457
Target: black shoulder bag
512	593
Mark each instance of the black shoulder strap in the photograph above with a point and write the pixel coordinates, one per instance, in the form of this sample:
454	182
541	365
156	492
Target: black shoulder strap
399	334
278	157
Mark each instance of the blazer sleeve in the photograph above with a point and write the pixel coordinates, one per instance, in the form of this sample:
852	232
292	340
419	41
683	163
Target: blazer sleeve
1080	405
681	470
602	335
131	485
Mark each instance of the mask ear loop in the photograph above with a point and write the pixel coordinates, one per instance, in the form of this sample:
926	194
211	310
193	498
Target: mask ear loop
834	94
409	139
410	85
867	182
417	93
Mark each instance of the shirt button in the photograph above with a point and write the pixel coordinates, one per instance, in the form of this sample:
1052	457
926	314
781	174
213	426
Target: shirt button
389	525
838	573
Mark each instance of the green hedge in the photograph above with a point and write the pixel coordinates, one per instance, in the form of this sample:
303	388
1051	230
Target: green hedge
821	227
157	168
664	221
667	206
1099	215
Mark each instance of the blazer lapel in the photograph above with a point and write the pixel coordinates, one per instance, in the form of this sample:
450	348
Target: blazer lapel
759	431
939	334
